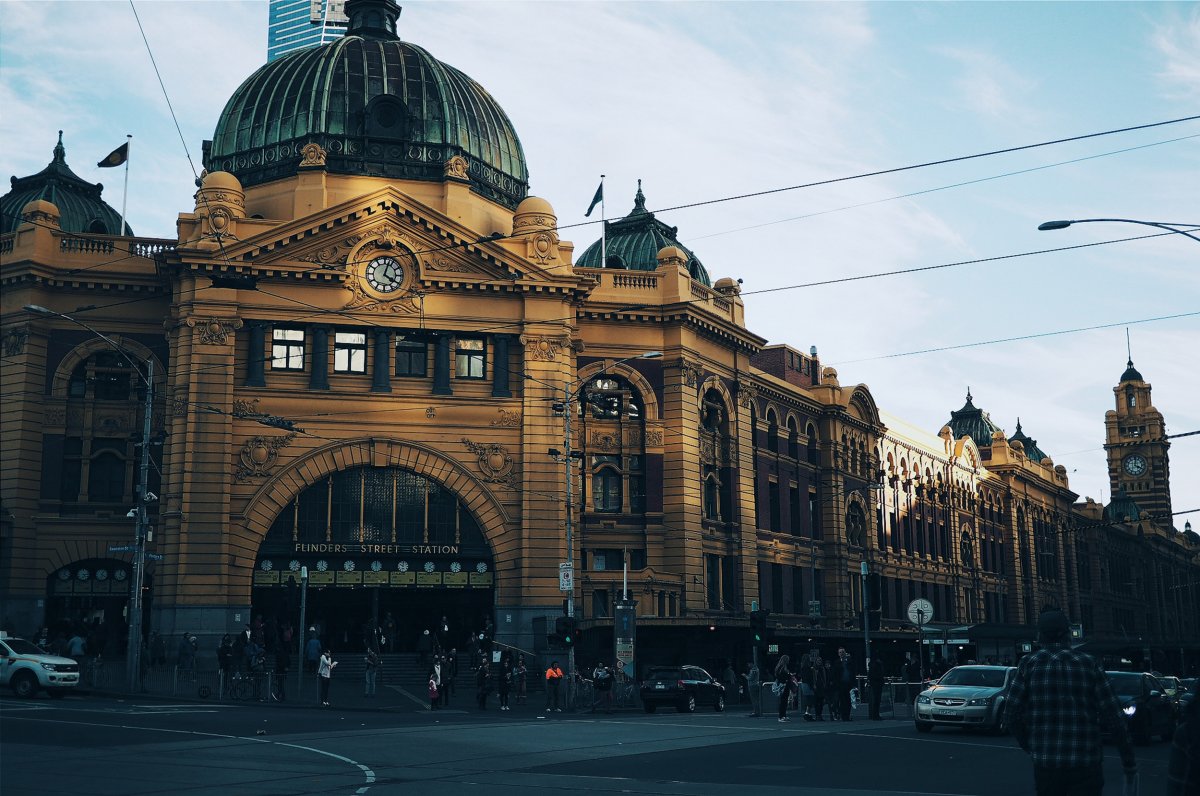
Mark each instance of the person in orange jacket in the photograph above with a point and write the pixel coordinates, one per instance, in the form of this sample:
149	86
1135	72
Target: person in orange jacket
554	676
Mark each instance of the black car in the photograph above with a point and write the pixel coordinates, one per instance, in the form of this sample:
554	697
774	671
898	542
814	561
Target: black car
1147	708
685	687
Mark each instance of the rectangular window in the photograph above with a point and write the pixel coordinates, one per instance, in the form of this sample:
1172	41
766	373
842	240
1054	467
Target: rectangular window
349	352
796	514
411	356
713	566
728	584
72	467
814	515
799	597
469	358
777	588
287	349
773	497
637	485
600	603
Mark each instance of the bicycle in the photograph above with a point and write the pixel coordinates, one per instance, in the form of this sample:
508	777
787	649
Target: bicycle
93	670
582	697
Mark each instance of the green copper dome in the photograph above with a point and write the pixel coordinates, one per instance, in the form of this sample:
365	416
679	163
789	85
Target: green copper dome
79	204
1029	444
378	106
633	242
1131	373
1122	508
974	423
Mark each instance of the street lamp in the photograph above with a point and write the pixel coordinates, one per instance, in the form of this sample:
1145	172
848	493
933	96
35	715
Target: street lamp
144	497
567	455
1168	226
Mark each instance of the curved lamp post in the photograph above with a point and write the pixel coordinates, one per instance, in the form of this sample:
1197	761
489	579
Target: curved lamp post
144	496
1168	226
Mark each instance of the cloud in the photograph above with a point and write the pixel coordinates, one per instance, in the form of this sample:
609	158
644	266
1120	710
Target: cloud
990	86
1178	45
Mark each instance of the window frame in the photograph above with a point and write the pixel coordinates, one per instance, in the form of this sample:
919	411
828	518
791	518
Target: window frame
470	355
348	348
406	348
290	345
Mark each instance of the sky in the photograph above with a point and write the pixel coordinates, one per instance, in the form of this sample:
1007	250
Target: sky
708	100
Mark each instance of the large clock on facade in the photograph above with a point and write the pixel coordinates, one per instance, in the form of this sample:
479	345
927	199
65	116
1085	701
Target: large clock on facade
1134	464
385	274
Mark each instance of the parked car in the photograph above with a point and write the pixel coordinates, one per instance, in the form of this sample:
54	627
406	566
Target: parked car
1172	686
970	697
685	687
25	667
1147	708
1187	693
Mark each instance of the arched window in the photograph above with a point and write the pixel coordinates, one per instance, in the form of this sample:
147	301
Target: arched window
966	549
793	439
606	484
856	526
715	475
610	397
772	432
811	432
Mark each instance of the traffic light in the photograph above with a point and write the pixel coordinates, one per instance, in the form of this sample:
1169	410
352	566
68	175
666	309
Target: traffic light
758	625
569	631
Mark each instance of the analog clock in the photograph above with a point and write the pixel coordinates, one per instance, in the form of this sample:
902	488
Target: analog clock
920	611
1135	464
385	274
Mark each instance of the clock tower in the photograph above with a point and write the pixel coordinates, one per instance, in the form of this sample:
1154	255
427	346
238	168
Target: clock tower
1135	439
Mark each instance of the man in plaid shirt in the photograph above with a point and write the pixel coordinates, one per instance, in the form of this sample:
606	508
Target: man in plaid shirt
1058	702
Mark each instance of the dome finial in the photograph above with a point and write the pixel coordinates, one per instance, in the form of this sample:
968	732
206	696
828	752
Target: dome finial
639	201
60	152
1018	425
372	19
968	394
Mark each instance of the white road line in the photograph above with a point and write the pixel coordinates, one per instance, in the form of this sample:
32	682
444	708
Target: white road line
368	774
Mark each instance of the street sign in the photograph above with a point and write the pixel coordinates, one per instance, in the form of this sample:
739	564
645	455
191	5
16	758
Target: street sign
814	609
566	577
772	649
958	641
125	548
154	556
933	641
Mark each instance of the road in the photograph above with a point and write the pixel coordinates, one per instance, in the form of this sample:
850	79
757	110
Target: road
104	745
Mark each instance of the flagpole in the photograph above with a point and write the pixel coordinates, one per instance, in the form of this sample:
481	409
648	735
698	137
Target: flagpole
125	197
603	228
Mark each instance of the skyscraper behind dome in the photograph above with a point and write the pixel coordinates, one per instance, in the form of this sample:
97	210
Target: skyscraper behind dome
296	24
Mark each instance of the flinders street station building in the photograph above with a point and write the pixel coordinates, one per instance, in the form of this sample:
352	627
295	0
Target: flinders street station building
361	356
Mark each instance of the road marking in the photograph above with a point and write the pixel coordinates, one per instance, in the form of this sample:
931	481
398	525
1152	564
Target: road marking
368	774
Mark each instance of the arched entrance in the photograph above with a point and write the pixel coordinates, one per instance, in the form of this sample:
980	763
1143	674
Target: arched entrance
91	597
383	547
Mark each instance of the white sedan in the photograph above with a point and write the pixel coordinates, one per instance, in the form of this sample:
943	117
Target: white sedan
966	696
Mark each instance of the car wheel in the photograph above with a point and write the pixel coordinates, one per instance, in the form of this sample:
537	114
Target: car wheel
24	685
56	693
688	705
719	705
649	708
923	726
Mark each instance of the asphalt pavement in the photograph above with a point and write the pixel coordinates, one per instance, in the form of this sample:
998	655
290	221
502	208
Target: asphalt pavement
101	745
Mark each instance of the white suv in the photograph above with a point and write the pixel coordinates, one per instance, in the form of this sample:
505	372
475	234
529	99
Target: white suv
25	667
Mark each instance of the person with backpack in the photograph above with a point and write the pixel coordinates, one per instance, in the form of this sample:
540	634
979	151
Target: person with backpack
373	662
782	687
602	685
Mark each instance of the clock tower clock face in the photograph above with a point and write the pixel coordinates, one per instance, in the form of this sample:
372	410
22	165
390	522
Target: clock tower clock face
1134	464
385	274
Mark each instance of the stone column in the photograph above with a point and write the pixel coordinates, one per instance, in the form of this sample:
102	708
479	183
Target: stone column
256	356
500	388
319	375
441	365
382	381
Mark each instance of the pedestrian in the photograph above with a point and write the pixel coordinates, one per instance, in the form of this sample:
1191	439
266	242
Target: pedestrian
911	673
483	684
875	683
730	679
554	676
506	680
1058	703
806	686
283	661
754	689
389	629
820	687
437	676
424	646
449	676
77	648
312	649
186	654
433	692
325	668
443	633
519	674
844	673
158	649
602	687
782	687
1183	766
372	662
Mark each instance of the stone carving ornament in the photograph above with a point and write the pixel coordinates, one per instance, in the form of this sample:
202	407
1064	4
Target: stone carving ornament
14	341
507	419
215	331
494	461
455	167
545	349
312	154
259	454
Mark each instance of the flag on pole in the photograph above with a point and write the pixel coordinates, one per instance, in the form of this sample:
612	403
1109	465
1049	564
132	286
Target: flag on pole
597	199
115	158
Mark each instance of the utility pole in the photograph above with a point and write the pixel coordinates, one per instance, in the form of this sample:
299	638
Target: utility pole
303	618
141	536
863	568
567	460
